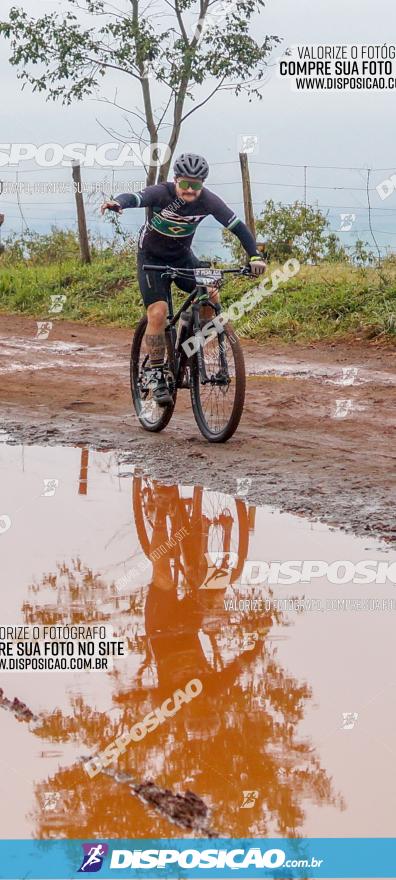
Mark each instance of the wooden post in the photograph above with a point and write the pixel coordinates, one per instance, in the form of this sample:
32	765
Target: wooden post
252	519
83	481
247	193
82	224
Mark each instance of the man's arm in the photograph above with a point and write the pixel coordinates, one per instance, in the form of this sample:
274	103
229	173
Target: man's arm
246	238
229	220
1	219
151	195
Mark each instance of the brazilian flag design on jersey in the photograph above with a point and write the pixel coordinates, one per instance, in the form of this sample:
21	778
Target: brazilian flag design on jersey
173	228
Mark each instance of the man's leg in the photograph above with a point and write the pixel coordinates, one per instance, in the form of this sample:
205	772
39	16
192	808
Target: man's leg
155	333
206	313
155	292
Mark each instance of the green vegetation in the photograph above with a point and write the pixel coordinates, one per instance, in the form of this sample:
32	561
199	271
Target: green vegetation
324	302
296	230
321	302
37	267
300	231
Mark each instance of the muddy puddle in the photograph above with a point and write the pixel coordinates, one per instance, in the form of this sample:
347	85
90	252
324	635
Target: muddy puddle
19	355
282	368
292	732
40	352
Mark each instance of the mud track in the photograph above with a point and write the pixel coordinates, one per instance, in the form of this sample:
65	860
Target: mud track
317	436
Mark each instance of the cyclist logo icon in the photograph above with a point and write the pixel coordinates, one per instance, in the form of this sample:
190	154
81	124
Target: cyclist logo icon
249	800
218	575
93	857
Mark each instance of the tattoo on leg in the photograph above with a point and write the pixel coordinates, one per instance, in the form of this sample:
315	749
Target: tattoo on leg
156	348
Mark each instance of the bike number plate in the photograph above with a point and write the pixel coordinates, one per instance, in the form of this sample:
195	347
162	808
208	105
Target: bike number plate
207	276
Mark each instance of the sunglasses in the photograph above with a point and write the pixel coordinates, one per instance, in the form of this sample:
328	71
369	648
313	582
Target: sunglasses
196	185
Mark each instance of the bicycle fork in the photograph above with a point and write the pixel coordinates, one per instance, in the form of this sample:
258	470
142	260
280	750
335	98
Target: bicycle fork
222	375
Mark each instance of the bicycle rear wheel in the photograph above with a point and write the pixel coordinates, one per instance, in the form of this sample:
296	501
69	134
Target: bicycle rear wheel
151	416
218	404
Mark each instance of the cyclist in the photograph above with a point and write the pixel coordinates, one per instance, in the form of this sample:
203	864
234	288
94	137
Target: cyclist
175	210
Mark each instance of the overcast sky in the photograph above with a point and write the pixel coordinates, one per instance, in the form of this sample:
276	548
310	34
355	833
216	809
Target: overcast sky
321	128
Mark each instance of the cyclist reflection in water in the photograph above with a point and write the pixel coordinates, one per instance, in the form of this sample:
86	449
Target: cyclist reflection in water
173	623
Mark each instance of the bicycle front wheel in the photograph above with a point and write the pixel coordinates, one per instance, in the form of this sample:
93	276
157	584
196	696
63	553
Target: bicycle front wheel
218	388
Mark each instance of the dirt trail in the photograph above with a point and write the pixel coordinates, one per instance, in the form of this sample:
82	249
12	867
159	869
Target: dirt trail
317	436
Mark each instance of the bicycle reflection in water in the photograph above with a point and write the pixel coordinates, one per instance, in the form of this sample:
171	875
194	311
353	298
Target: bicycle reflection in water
239	738
197	546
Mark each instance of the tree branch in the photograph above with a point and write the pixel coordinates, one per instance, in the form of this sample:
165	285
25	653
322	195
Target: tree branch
181	23
216	89
120	137
113	66
117	14
120	107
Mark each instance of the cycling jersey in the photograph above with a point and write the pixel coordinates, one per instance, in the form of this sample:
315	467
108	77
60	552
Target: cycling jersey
172	222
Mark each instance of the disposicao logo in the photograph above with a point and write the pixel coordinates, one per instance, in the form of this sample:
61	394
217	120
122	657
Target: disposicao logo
94	853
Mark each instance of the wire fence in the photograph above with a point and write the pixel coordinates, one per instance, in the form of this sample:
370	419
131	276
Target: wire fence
355	210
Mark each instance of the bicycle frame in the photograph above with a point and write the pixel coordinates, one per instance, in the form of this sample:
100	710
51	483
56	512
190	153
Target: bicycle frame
196	299
200	296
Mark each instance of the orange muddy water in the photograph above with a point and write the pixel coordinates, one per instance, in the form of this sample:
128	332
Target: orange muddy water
293	732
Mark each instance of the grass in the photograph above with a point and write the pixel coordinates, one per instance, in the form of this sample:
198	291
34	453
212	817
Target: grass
321	302
105	292
327	301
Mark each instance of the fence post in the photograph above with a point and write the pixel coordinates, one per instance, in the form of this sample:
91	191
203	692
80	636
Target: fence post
247	193
83	481
82	223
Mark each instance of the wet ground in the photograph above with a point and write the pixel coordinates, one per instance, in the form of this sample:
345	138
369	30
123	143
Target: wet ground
317	437
166	539
293	731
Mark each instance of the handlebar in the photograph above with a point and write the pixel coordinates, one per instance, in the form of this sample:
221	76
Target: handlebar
147	267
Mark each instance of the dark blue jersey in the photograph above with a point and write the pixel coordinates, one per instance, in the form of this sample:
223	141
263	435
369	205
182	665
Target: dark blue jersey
171	222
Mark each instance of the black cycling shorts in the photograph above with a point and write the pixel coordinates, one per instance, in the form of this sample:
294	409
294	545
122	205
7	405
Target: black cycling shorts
154	287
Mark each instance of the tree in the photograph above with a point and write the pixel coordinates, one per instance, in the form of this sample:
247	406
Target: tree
295	230
167	47
361	254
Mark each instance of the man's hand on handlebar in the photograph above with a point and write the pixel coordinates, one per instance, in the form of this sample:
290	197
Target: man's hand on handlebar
111	206
257	267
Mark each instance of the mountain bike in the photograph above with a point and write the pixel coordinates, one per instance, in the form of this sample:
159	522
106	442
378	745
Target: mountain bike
214	372
216	529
